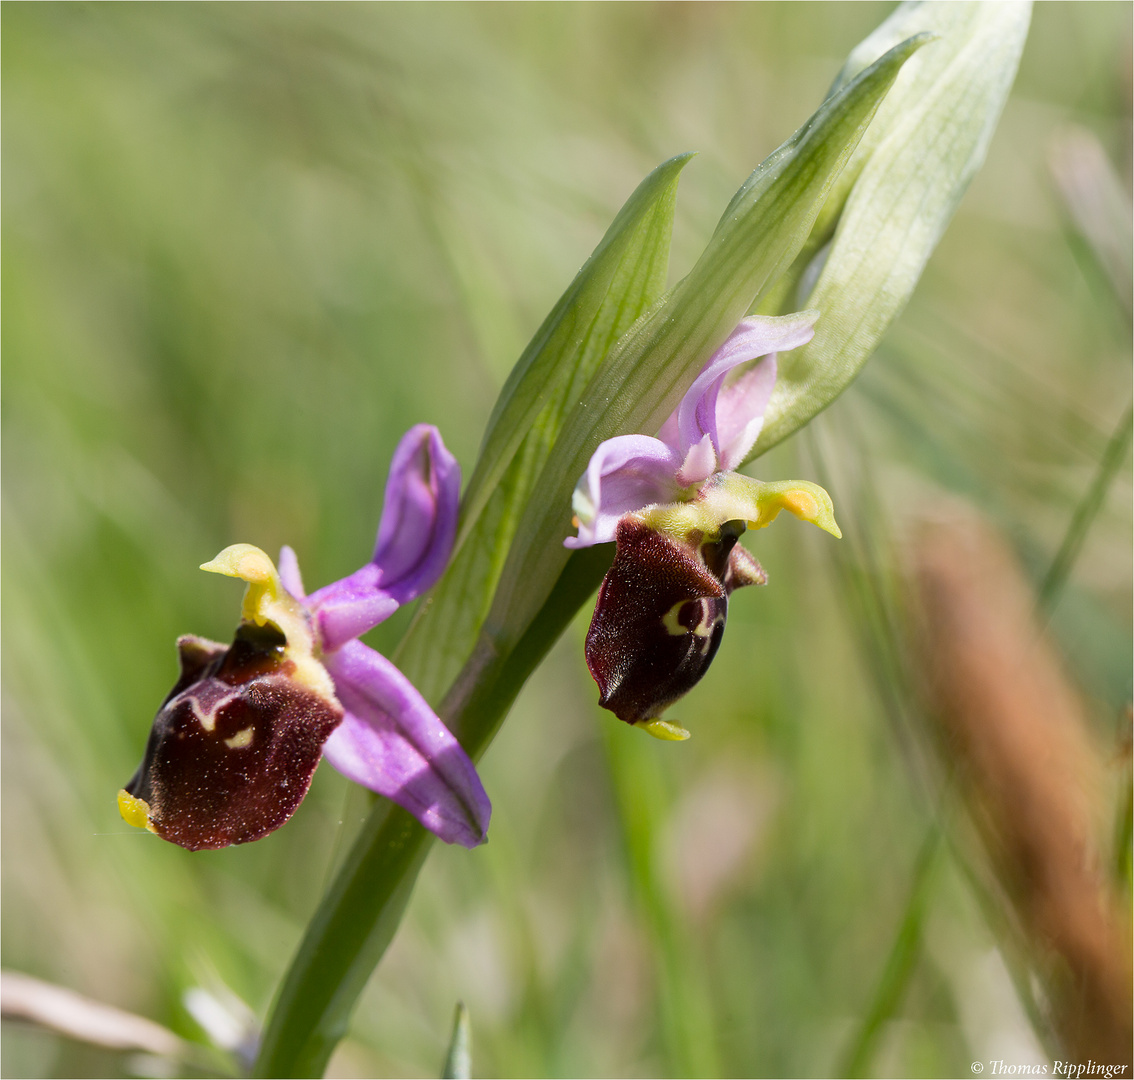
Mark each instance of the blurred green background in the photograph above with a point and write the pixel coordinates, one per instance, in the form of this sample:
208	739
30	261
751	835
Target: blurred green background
245	247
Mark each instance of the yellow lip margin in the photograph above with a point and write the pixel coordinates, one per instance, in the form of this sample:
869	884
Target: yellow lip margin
665	730
134	812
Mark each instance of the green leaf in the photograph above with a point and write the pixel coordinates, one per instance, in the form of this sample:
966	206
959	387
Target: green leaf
898	193
623	277
759	236
458	1061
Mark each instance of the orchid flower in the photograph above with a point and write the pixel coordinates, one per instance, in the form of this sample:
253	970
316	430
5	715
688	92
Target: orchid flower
235	744
676	507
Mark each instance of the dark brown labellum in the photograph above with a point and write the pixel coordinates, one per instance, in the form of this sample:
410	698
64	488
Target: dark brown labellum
234	746
661	614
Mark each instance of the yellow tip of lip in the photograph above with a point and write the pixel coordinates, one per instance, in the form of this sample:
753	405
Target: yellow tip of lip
663	729
134	812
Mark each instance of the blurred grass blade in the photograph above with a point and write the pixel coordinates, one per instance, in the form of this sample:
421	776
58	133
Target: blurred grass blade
1098	205
1123	849
1086	512
901	963
624	276
458	1061
911	170
758	237
684	1000
57	1008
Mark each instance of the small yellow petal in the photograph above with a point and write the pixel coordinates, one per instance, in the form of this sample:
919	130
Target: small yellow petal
263	597
267	601
663	729
807	501
244	561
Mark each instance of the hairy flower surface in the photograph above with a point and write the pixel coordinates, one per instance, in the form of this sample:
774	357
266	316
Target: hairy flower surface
235	744
675	506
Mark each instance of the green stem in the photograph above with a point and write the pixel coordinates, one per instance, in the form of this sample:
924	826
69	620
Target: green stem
344	941
359	914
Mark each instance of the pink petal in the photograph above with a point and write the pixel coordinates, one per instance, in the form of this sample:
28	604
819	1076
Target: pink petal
289	573
698	416
625	474
392	742
700	463
740	409
419	517
415	539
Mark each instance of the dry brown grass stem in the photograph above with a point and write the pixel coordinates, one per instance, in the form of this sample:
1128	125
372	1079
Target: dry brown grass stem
1013	731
